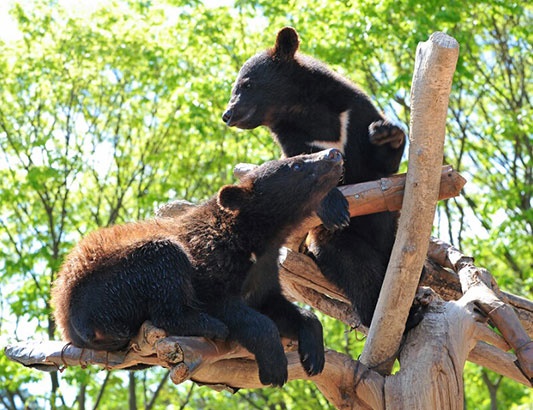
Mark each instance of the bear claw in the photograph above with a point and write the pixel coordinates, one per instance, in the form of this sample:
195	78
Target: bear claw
383	132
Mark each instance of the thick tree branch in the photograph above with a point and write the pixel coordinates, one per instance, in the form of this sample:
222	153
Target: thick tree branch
479	285
385	194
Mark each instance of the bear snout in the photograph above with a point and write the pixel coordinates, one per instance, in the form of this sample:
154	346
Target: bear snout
331	154
226	117
243	117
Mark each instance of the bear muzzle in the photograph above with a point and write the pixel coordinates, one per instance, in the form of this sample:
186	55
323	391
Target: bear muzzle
226	117
332	162
331	154
244	119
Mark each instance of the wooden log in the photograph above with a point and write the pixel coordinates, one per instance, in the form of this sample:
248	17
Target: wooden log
302	280
434	67
432	359
385	194
498	361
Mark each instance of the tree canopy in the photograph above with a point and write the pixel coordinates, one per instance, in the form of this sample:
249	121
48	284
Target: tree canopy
110	109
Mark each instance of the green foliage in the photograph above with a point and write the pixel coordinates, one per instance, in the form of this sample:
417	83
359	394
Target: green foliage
110	109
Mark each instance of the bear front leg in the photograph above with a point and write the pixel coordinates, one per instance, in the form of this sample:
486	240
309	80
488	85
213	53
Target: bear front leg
262	292
259	335
302	325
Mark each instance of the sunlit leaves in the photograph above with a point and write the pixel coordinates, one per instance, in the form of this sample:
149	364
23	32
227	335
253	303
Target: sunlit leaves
112	108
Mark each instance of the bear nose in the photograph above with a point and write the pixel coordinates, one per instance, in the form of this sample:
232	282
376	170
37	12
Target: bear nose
332	154
227	116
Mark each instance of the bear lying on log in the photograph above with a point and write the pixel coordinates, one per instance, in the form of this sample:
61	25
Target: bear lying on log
213	271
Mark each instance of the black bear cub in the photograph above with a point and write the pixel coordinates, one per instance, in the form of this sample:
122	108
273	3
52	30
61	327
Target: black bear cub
308	107
210	272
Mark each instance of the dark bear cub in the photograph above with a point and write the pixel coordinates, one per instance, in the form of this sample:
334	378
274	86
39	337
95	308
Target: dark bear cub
210	272
308	107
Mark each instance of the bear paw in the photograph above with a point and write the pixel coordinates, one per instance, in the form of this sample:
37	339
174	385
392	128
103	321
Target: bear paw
312	359
383	132
273	372
424	296
334	211
311	346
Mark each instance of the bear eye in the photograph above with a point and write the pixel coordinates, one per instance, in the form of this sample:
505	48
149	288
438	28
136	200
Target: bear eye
297	166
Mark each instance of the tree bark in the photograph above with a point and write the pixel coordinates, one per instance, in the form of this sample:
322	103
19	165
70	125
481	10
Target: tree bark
434	67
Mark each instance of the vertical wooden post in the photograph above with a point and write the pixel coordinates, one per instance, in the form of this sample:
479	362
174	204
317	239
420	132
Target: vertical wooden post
432	79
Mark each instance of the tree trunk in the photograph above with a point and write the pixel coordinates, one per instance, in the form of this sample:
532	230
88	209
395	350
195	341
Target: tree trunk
81	396
132	397
493	389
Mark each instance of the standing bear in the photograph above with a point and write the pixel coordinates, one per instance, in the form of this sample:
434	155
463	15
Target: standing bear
308	107
210	272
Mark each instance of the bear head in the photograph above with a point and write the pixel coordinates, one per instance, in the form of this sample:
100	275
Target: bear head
266	84
286	190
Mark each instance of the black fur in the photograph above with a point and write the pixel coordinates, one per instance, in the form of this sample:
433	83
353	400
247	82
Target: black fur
208	272
146	284
309	107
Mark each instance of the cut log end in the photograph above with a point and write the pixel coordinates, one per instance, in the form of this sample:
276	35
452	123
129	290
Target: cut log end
443	40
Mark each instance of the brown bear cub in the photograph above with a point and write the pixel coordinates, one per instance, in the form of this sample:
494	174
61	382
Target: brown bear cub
308	108
210	272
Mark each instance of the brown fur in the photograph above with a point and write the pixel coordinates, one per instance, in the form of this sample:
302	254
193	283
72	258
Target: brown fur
211	270
104	247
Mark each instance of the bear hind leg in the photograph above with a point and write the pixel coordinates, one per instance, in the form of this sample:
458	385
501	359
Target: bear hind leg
186	321
259	335
83	334
302	325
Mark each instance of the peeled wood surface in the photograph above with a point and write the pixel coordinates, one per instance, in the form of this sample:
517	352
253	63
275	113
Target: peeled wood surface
477	284
387	194
434	68
439	346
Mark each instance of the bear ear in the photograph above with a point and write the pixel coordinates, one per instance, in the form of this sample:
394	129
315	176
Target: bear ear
232	197
287	43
